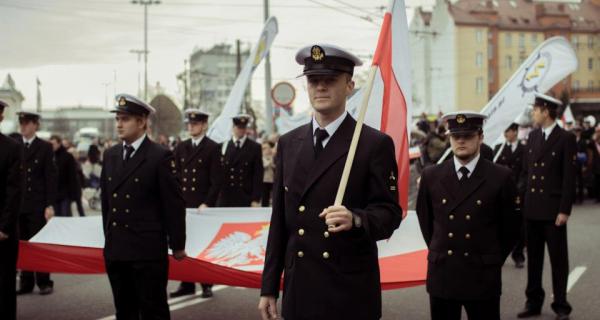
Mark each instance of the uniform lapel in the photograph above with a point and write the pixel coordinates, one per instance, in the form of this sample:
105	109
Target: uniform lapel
194	151
136	160
450	179
32	150
476	179
303	156
550	142
336	148
237	155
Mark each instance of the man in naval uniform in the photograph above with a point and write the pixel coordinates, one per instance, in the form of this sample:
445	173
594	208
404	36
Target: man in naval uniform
241	168
511	157
549	173
197	161
143	214
328	254
41	183
469	217
11	196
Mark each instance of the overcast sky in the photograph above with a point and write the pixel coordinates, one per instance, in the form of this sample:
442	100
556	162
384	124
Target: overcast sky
76	47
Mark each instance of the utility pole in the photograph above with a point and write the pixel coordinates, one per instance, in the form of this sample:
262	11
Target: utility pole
139	54
145	3
268	102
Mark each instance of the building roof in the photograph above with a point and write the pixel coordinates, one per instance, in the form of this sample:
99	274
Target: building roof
528	14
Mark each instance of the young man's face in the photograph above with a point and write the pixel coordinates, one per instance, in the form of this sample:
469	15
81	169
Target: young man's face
465	145
55	144
539	115
511	135
239	132
130	127
328	93
28	128
196	128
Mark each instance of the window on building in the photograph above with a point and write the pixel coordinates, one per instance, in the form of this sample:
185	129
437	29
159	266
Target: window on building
521	41
478	35
590	63
590	41
509	62
534	39
490	75
479	59
508	40
479	85
575	41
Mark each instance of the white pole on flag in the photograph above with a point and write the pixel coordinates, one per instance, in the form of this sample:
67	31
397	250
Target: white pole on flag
359	123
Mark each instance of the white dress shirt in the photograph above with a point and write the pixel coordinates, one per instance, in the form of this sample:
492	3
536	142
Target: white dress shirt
330	128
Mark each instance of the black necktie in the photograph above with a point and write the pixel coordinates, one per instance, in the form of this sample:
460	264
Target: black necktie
128	151
321	135
26	145
465	174
543	136
238	144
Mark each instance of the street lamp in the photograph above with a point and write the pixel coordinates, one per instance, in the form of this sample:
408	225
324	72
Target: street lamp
145	3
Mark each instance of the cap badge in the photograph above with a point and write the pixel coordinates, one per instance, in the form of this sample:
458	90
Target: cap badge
317	53
460	119
122	101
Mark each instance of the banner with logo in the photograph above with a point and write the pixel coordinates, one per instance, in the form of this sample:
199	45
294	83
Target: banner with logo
225	246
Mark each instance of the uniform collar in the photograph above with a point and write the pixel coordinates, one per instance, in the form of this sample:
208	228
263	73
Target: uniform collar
330	128
548	130
196	141
136	144
30	141
242	140
471	165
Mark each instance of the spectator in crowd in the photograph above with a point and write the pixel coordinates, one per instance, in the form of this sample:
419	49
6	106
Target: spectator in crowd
269	169
67	178
436	144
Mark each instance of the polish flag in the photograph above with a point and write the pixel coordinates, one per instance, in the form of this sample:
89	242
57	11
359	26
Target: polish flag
390	105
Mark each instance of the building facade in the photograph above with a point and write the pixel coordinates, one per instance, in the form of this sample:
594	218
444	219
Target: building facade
465	50
67	121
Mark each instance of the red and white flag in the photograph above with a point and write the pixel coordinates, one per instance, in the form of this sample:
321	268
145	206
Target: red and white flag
390	105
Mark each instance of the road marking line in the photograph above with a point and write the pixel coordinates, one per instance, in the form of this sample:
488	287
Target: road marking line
181	302
574	276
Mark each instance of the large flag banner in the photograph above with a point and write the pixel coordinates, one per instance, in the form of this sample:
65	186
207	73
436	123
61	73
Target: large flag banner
221	128
390	103
552	61
225	246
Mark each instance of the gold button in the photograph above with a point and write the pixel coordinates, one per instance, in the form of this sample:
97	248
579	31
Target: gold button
478	202
542	177
29	170
450	235
184	189
468	217
301	209
231	177
114	224
231	170
444	200
114	195
541	190
114	209
185	170
553	153
301	232
542	164
194	170
533	177
174	171
326	234
467	236
193	189
535	164
193	179
532	189
184	179
109	178
28	189
200	160
300	254
127	196
126	210
126	226
136	180
286	189
450	252
466	254
451	217
325	255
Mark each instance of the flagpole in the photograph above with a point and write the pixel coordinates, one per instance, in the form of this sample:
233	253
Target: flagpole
357	129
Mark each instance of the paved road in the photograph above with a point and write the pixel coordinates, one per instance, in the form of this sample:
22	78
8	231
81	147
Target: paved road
88	297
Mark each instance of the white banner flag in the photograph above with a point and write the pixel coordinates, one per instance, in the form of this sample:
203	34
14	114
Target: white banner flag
549	63
221	128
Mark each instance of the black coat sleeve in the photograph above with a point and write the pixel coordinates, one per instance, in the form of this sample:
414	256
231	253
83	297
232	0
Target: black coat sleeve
278	237
424	209
568	176
258	173
14	190
383	214
50	176
104	190
172	201
511	217
215	168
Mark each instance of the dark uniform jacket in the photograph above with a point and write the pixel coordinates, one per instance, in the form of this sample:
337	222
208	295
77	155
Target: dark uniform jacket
469	229
199	169
549	172
11	185
512	160
241	174
330	276
40	177
143	211
68	183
